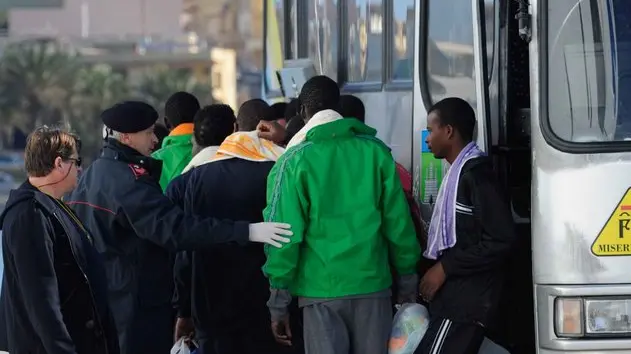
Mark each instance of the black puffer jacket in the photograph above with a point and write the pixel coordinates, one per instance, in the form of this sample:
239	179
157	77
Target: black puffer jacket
54	292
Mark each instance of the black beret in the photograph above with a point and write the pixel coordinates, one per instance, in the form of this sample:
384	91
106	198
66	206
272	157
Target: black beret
129	117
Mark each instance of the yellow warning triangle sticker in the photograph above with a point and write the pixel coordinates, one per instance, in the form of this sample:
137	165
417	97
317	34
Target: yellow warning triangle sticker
615	237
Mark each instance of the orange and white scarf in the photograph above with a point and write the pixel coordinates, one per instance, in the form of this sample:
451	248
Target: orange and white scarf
248	146
204	156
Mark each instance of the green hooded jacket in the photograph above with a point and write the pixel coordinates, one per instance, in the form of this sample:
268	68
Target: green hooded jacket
176	152
341	193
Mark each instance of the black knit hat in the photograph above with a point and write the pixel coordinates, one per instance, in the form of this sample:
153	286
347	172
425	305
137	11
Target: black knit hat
129	117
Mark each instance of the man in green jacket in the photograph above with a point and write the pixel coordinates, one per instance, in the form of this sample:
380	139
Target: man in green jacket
177	148
338	187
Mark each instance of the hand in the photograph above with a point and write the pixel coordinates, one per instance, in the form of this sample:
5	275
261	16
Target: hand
432	281
407	287
282	331
270	233
184	327
401	300
271	131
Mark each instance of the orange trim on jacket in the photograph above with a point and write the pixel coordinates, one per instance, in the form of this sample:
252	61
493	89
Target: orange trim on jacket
182	129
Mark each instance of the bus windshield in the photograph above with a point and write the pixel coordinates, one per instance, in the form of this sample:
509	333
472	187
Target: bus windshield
589	70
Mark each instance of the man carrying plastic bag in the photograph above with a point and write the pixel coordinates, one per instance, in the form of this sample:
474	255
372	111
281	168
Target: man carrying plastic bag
471	236
409	326
338	187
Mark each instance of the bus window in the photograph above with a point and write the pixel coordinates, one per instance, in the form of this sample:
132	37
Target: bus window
449	60
365	42
274	43
489	20
291	29
324	36
403	33
589	70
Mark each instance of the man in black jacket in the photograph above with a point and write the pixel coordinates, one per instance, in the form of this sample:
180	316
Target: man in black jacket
137	228
54	291
470	236
222	290
212	124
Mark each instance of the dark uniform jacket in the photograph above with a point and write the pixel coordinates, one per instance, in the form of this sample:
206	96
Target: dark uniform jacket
54	291
137	229
485	234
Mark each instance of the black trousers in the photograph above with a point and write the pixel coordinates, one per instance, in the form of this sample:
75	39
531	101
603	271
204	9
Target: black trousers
444	336
152	331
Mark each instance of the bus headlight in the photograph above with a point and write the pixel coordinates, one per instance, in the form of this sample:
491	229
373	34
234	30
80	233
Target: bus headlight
607	316
589	317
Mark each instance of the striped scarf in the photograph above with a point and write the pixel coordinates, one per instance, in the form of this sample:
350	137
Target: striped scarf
442	227
248	146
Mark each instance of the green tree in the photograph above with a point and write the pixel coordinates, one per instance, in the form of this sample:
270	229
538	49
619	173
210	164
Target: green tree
160	82
43	82
96	88
36	80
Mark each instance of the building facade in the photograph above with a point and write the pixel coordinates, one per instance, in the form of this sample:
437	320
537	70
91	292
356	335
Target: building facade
112	18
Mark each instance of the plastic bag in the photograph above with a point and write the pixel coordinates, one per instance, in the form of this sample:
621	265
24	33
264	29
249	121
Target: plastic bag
181	347
408	327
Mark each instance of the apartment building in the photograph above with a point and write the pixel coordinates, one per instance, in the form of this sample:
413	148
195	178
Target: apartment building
99	18
235	24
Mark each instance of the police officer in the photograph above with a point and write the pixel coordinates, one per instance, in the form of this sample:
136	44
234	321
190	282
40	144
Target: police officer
137	229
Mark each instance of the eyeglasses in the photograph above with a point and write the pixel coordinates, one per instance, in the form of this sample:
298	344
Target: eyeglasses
77	161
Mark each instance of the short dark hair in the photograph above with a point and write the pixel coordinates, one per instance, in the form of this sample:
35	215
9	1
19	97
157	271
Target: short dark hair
458	113
180	108
352	107
252	112
293	126
213	124
279	109
292	109
44	145
320	93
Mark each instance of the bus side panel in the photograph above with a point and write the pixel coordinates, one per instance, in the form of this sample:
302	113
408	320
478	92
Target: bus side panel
390	112
573	198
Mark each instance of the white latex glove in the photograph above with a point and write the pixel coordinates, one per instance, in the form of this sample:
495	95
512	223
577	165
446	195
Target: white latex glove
270	233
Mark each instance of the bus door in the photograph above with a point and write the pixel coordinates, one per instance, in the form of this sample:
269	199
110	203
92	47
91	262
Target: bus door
481	72
462	51
450	61
581	136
